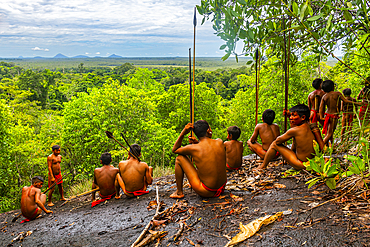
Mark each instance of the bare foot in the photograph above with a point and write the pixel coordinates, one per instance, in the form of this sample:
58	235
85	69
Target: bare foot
176	195
50	204
117	197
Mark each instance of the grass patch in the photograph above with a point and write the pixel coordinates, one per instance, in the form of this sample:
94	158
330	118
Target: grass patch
161	170
80	187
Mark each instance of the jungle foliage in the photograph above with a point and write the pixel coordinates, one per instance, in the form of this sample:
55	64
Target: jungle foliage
41	108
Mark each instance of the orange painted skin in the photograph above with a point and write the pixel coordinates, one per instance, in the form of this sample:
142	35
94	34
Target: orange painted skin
32	199
54	161
209	156
133	175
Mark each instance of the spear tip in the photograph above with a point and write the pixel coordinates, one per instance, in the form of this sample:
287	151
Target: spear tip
195	17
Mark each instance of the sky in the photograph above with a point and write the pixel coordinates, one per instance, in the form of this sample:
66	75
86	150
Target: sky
142	28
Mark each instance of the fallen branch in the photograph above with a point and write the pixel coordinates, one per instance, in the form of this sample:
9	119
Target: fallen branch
82	194
150	222
178	233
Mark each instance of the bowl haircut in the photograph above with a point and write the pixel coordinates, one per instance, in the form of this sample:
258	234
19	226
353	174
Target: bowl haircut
234	131
200	128
328	86
316	83
301	110
106	158
268	116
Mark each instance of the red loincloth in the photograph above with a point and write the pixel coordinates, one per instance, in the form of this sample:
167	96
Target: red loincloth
350	116
232	167
326	123
103	199
31	218
315	118
364	110
276	155
58	180
138	192
218	191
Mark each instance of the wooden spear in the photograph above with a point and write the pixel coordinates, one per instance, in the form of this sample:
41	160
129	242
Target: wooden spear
257	84
285	67
190	92
110	135
82	194
193	98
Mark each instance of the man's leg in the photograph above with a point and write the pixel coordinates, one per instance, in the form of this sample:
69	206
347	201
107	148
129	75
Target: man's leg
117	185
270	154
344	126
329	134
257	148
61	192
290	157
50	203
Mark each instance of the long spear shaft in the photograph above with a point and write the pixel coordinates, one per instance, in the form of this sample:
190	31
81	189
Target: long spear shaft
190	92
257	85
195	25
286	78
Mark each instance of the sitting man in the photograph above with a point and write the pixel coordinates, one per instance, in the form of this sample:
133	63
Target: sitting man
32	200
267	132
302	147
104	179
208	179
134	176
234	148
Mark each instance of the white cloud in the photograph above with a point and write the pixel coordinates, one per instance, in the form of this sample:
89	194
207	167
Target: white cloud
100	23
98	53
40	49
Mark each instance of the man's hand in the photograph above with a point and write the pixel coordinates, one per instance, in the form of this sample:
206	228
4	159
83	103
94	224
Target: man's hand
286	113
52	179
189	127
193	140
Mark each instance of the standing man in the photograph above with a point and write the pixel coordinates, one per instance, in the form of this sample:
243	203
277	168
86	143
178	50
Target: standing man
55	175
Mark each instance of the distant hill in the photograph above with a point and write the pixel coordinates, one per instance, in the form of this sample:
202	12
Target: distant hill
114	56
80	56
38	57
60	55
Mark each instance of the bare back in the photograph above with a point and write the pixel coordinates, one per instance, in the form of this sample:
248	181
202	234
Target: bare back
268	133
332	101
105	179
209	156
364	95
234	153
133	174
312	98
28	201
348	107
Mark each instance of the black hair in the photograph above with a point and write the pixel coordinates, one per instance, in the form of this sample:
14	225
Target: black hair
316	83
200	128
106	158
55	147
234	131
328	86
37	179
268	116
347	91
135	149
301	110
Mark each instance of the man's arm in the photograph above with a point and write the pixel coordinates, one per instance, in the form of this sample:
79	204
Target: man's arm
148	175
49	159
349	101
309	101
177	149
39	203
254	136
285	137
322	107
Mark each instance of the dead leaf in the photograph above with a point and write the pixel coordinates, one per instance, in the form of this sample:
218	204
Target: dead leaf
252	228
190	242
279	186
158	222
315	192
236	198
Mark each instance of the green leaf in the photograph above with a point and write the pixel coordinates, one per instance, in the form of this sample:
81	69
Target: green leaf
315	167
312	182
249	62
354	170
226	56
295	8
347	15
242	2
329	22
222	47
314	18
331	183
332	170
302	11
